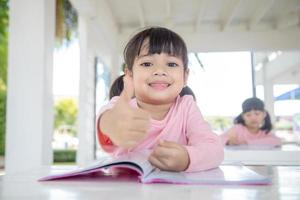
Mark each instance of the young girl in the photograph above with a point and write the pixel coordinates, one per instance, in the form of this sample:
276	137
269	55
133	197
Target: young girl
151	111
252	126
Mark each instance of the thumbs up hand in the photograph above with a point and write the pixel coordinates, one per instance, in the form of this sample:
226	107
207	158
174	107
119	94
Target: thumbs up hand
126	126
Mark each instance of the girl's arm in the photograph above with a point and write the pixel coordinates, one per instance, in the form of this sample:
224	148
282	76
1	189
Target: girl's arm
270	139
231	137
125	126
204	147
104	141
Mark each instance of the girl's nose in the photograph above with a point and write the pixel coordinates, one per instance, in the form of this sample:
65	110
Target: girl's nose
159	71
160	74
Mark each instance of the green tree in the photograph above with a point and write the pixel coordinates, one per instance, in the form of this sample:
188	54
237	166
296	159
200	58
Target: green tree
3	41
65	113
219	123
66	22
2	120
3	69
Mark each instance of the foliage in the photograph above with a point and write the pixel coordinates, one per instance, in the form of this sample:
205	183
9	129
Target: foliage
3	62
66	22
3	39
220	123
68	155
65	113
2	120
3	16
3	69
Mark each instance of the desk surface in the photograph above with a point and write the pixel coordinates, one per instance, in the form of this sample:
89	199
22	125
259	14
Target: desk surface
288	154
286	182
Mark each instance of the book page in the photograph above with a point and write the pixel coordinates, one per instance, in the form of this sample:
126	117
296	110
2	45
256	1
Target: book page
141	159
223	175
134	161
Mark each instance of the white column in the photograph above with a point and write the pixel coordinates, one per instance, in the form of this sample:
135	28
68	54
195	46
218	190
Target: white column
86	113
268	93
115	66
29	125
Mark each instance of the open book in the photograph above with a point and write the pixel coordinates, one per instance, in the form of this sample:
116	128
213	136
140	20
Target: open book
138	163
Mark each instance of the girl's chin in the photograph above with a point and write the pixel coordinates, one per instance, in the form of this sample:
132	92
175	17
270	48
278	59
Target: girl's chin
158	100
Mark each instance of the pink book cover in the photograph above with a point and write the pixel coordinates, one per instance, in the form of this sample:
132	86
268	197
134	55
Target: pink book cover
138	166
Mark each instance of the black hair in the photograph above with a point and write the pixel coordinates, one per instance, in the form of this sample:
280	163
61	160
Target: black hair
117	87
161	40
255	104
187	91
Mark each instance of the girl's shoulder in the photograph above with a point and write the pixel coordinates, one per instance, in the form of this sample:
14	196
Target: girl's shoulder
185	102
185	99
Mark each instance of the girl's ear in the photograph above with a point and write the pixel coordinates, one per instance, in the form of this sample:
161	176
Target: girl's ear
185	76
265	114
127	71
242	117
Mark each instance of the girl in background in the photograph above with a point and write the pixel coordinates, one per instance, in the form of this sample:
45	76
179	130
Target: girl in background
151	109
252	127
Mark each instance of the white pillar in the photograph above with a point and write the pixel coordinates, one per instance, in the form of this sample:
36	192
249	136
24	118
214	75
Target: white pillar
115	66
268	93
86	113
29	125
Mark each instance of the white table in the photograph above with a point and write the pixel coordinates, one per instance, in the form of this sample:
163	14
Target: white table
286	185
287	155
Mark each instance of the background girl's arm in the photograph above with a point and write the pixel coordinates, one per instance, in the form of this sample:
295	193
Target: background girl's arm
270	139
232	137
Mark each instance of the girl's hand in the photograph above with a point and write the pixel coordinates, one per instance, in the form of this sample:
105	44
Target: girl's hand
170	156
126	126
234	140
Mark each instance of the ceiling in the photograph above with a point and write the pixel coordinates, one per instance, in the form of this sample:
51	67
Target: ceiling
262	26
206	25
206	15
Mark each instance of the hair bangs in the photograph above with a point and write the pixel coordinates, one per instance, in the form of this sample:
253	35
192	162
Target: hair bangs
164	42
253	104
156	40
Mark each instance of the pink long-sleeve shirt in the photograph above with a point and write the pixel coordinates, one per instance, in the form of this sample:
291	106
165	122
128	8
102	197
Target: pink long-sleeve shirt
244	135
184	125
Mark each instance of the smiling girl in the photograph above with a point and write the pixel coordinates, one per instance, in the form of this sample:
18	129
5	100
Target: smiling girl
151	110
252	127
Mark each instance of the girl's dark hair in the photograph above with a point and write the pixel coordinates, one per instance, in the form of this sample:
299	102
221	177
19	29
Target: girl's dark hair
255	104
161	40
187	91
117	87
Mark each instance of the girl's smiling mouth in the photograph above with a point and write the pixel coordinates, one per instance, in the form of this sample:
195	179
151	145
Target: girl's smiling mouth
159	85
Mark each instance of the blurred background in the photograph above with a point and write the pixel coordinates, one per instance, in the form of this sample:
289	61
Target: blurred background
237	49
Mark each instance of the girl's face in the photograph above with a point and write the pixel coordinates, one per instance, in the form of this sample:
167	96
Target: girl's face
157	78
254	118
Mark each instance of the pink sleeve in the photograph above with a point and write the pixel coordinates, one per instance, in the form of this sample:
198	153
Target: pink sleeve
269	139
225	137
108	106
104	141
204	147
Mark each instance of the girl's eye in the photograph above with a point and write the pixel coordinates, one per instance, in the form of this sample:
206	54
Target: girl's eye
248	114
172	64
146	64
